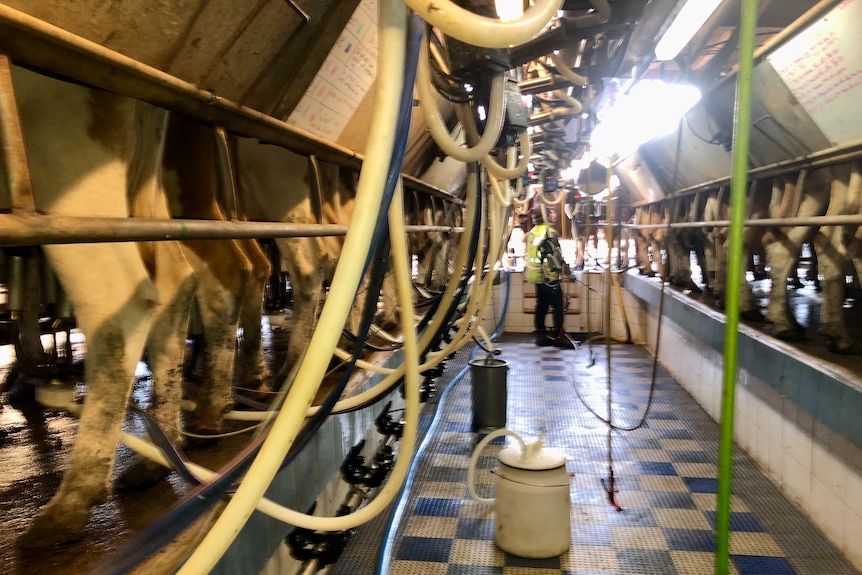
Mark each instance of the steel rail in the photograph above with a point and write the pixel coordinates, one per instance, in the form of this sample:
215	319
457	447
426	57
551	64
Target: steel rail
819	159
28	229
34	43
835	220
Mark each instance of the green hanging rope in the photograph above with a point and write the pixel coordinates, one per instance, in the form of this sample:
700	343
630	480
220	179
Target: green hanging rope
738	186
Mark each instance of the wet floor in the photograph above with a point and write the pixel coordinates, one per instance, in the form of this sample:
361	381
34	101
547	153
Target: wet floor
35	445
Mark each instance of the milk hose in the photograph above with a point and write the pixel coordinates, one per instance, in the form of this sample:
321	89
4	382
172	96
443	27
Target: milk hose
477	30
230	477
466	251
411	387
191	508
439	325
411	411
437	127
389	87
511	172
474	458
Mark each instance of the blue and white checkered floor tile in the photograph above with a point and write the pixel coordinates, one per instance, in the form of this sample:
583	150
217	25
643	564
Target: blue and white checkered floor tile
665	478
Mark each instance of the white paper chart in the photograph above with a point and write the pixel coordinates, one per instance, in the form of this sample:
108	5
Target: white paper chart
343	79
823	70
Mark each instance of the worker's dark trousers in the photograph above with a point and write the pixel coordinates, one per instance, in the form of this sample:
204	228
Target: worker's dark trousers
548	296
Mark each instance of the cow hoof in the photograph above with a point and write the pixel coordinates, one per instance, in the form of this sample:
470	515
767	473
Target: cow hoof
752	315
793	333
52	528
141	473
845	348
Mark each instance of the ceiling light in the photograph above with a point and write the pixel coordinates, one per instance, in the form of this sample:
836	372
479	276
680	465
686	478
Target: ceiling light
684	26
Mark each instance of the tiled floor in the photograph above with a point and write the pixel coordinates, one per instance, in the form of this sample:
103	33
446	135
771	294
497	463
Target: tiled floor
665	476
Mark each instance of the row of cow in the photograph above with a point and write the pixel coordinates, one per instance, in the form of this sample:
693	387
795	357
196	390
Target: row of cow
92	153
824	191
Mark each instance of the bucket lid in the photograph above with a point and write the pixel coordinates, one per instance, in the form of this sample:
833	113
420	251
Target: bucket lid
535	457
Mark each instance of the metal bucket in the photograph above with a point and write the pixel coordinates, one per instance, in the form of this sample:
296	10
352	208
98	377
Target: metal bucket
489	392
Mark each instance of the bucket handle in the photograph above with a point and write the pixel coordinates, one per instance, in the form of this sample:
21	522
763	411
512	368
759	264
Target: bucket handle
471	468
490	350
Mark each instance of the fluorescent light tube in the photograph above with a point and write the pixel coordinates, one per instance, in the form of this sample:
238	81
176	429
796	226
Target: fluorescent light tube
683	28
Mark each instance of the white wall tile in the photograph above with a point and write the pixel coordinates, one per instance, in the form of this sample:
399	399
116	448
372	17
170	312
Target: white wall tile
853	494
796	480
773	422
829	470
852	542
826	508
797	444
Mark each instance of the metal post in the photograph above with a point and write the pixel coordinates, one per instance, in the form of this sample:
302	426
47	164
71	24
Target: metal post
741	133
16	188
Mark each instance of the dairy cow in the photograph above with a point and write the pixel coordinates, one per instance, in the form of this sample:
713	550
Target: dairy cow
431	249
839	251
99	154
281	186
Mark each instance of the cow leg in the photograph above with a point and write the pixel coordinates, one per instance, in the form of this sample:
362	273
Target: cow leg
748	306
252	373
700	254
115	317
389	317
780	254
833	259
679	264
307	274
223	273
782	251
752	241
175	284
221	267
709	263
642	255
80	147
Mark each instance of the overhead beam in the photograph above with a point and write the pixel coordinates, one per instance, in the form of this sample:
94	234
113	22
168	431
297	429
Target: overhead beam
35	44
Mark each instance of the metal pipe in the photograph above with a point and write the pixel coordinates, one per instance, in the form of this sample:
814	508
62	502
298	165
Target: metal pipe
814	13
225	174
836	220
33	42
16	188
819	159
553	114
21	230
739	183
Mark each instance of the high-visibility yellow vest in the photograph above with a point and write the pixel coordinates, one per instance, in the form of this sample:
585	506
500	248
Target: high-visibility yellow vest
533	269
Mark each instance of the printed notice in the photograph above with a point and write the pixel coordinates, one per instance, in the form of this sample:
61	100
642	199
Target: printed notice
343	79
823	69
